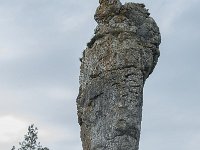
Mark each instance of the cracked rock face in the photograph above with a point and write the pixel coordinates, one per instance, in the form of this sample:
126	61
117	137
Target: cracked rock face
117	61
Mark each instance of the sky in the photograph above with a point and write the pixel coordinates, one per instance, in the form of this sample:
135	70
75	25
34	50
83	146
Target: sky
41	42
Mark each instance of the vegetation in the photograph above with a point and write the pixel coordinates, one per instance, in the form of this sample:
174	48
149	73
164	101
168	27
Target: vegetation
30	140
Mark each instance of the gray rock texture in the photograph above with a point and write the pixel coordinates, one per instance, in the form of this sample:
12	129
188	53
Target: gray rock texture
117	61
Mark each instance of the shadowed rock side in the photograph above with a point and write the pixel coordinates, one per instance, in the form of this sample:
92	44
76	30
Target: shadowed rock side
116	63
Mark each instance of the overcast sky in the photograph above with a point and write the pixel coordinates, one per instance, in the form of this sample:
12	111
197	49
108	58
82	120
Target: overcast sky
40	45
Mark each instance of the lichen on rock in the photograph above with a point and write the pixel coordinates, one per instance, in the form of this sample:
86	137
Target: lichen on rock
119	58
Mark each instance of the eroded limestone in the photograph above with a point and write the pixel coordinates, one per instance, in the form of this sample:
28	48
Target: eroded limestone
119	58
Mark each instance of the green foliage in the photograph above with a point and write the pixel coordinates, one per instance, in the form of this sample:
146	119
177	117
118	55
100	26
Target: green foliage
30	140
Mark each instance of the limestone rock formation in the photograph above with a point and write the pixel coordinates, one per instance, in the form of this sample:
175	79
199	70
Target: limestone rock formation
117	61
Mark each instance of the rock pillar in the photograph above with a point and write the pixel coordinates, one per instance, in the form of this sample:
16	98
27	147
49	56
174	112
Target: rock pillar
117	61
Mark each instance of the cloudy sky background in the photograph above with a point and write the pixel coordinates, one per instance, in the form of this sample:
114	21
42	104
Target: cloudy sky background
40	45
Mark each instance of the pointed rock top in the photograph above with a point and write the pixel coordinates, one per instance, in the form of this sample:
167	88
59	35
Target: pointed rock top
106	10
109	1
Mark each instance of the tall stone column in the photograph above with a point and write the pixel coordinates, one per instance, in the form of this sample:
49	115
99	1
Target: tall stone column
117	61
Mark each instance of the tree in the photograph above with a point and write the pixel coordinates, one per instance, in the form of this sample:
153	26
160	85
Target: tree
30	140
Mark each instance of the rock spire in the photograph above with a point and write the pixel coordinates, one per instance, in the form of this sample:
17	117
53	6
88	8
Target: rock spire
117	61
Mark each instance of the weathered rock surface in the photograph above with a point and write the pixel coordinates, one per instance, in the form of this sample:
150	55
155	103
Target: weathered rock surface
116	63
